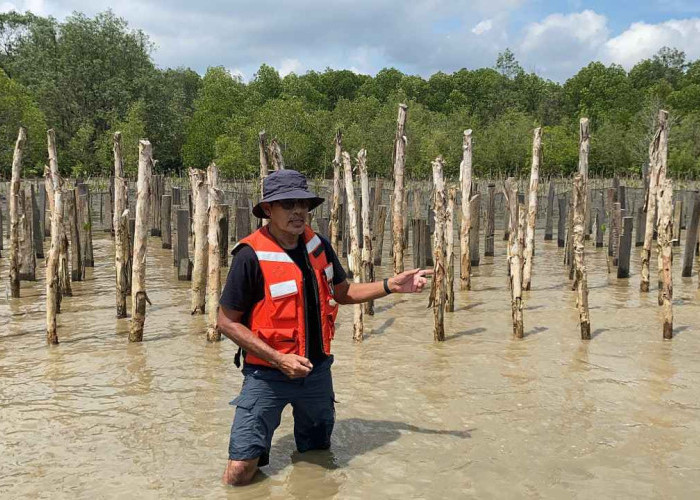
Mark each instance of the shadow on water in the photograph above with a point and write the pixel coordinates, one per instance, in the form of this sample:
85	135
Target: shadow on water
598	331
680	329
469	306
386	307
536	330
352	437
473	331
382	328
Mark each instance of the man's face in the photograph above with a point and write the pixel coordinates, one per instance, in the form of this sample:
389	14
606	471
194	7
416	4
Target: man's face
288	215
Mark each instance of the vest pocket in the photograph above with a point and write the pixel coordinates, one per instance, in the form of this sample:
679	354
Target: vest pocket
283	340
285	308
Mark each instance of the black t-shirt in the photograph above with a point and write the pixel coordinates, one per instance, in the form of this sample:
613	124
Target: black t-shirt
245	287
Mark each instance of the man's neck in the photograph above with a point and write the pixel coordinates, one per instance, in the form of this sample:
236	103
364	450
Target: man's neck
288	241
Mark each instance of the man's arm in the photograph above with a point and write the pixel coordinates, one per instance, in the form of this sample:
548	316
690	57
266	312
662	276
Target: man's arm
229	323
412	281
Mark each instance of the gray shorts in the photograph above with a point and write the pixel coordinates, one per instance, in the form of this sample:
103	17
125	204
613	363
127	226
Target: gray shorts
259	406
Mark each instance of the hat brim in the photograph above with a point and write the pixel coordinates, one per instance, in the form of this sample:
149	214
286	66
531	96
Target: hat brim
314	200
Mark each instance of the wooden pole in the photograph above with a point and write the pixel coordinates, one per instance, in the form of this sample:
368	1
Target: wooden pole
584	148
549	221
27	254
76	254
262	150
658	157
275	155
561	224
490	221
664	242
354	255
139	298
691	238
449	242
475	222
465	177
438	292
625	249
580	199
337	190
367	262
14	212
199	272
85	225
38	199
122	255
216	197
165	221
378	235
532	207
184	265
400	142
53	291
641	227
677	218
516	237
63	268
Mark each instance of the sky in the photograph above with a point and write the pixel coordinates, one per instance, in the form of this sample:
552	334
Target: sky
553	38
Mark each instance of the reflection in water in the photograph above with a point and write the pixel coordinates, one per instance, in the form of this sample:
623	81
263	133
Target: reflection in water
480	415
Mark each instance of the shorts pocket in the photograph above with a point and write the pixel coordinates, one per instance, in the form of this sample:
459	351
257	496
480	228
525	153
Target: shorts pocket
245	402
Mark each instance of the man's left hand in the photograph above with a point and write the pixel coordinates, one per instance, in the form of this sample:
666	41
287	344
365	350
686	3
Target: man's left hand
411	281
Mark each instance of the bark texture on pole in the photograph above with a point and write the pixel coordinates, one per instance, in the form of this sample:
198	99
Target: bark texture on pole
354	255
367	262
584	148
138	272
581	279
337	191
532	207
53	290
199	272
400	142
264	163
63	268
122	256
14	211
691	238
450	243
275	155
438	292
27	253
658	157
664	241
216	198
515	253
465	177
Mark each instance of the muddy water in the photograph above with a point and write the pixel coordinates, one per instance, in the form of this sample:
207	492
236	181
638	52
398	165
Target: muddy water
480	415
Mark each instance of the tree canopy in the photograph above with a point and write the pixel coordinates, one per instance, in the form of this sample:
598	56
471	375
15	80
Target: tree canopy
88	77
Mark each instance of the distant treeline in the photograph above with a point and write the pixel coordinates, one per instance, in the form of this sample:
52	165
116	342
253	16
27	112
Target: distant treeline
88	77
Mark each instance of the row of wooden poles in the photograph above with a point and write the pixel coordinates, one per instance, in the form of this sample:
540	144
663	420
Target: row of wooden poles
204	215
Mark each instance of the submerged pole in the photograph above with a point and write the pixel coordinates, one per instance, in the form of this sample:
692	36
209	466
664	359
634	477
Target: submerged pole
400	141
354	254
532	207
199	274
14	211
438	292
465	176
664	242
581	280
367	262
216	197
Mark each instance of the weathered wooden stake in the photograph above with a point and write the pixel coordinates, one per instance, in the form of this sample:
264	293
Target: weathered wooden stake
516	241
549	221
122	254
275	155
184	265
199	272
400	141
449	243
438	292
82	196
658	157
691	238
53	291
216	197
623	261
139	298
475	221
337	190
27	254
165	221
641	227
354	254
561	223
378	235
665	237
367	262
76	254
580	198
262	151
14	212
532	207
38	199
616	221
465	177
677	217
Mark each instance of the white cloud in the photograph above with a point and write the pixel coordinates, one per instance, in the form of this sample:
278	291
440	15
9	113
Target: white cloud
482	27
642	40
290	65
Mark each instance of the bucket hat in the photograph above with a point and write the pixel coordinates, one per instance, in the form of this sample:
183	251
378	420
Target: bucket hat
285	185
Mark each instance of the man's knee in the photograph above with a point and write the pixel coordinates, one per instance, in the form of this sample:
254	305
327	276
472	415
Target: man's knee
240	472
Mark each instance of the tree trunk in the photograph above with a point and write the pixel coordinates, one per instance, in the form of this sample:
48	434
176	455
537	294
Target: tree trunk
139	298
400	141
367	262
199	276
658	156
354	256
465	177
664	241
216	198
438	292
14	212
449	242
532	207
580	199
337	190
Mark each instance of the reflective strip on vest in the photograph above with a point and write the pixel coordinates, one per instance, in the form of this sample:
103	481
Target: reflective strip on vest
313	243
329	272
283	289
274	257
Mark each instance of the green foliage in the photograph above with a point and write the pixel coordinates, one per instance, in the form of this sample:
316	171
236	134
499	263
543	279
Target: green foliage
133	129
17	108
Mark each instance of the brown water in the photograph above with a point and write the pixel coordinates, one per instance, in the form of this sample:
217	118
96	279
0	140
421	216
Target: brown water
481	415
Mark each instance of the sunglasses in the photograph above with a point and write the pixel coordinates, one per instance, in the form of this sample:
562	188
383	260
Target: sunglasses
290	204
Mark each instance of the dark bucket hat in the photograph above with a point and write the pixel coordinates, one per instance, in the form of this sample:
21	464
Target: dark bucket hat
285	185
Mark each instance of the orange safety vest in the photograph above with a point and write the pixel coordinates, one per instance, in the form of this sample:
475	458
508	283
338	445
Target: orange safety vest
280	318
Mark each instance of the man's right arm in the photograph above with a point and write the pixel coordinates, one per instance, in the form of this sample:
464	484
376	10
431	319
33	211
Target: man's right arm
229	323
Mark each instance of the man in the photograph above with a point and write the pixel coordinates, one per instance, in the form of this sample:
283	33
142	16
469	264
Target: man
279	306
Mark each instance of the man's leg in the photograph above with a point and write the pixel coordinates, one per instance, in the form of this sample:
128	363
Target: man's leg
314	413
240	472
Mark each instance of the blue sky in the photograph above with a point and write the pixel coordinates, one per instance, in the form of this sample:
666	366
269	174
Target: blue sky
554	38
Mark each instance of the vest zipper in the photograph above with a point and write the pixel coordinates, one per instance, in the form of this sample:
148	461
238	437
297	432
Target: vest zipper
316	304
